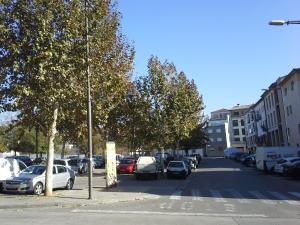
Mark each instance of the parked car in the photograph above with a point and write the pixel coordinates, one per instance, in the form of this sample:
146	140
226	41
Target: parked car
188	164
69	163
126	166
278	168
32	179
178	169
10	168
292	170
99	161
25	159
193	162
229	151
83	165
249	160
40	160
235	155
146	166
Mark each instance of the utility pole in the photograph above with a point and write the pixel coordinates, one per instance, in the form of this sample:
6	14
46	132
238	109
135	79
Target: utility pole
89	100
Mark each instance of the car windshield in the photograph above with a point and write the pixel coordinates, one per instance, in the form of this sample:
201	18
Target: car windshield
295	160
175	164
36	170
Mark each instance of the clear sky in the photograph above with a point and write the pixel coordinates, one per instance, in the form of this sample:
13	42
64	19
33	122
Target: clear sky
226	46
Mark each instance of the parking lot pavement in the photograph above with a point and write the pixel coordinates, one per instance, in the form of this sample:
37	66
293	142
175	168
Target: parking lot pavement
76	197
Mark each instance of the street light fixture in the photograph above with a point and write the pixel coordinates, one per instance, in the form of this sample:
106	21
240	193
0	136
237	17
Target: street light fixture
282	22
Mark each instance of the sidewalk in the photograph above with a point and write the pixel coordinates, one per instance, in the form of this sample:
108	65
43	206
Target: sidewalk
71	198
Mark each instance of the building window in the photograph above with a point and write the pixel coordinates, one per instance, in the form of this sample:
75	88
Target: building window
291	111
299	129
218	130
242	123
243	131
275	121
209	131
237	139
235	123
219	139
236	131
292	85
287	111
288	133
285	91
272	99
236	113
244	139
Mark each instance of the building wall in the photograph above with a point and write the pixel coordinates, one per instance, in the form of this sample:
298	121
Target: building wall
291	104
237	127
217	138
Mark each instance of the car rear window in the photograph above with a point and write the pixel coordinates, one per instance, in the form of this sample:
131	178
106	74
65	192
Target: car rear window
175	164
60	162
146	160
126	161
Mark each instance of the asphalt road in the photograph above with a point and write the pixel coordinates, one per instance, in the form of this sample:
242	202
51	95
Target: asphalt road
219	192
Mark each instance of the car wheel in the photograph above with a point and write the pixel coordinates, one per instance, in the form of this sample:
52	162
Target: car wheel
70	184
38	188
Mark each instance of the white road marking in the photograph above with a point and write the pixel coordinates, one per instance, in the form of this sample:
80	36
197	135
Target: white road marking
297	194
176	195
217	196
197	195
238	196
262	197
229	207
187	206
166	205
168	213
284	198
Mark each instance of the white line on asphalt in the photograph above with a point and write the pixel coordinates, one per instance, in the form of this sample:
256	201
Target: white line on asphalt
297	194
197	195
176	195
187	206
238	196
168	213
217	196
284	198
262	197
166	205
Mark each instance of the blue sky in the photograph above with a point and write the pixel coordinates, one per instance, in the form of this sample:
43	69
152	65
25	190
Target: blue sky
227	47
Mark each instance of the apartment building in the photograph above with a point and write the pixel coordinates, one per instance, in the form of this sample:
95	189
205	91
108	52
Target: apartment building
272	98
251	129
237	133
217	132
290	89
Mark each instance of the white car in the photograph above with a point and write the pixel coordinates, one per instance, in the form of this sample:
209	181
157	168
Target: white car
178	169
10	168
32	179
146	166
72	164
278	168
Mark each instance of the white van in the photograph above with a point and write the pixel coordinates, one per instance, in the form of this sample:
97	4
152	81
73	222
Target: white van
10	168
146	165
266	157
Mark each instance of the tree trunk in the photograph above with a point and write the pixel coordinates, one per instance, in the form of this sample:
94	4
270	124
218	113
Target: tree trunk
63	150
50	155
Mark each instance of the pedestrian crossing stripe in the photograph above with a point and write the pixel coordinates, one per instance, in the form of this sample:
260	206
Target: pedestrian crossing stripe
197	195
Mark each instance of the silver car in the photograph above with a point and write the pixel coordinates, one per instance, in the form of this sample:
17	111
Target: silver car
32	179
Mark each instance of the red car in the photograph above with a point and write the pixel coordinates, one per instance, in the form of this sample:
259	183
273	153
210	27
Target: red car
126	166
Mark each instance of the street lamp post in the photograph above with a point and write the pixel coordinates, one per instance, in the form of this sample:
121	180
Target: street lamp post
89	101
282	22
